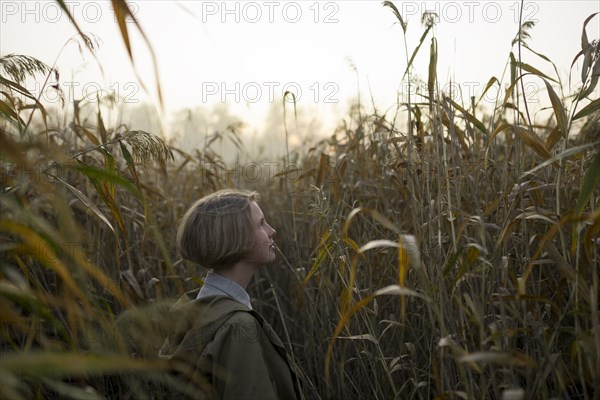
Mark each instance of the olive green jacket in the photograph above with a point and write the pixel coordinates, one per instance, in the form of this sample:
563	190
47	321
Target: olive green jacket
227	351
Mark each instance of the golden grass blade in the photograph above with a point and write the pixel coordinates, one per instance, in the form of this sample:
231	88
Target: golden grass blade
130	278
469	117
284	100
367	336
37	247
347	290
589	243
493	80
559	109
10	113
588	109
70	365
19	89
588	55
373	214
402	264
432	78
121	10
351	243
590	183
391	5
324	169
86	200
338	329
72	391
41	251
513	77
584	40
25	300
567	270
416	51
581	53
552	232
350	218
105	192
459	133
532	141
594	74
122	13
66	10
500	358
397	290
534	71
377	243
508	94
98	175
325	245
526	298
499	129
106	282
88	134
11	387
394	290
457	350
100	124
553	138
567	153
131	167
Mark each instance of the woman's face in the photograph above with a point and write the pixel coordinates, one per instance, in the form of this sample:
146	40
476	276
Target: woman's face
264	247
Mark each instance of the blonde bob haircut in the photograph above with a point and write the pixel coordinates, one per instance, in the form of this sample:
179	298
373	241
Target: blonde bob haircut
217	231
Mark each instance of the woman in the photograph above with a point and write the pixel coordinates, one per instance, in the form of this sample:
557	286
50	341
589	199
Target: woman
220	345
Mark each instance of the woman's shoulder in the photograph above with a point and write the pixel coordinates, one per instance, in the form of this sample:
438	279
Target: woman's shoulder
207	309
241	317
207	315
199	322
223	308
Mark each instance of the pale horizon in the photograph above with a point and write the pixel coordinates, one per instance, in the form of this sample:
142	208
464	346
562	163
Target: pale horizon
243	55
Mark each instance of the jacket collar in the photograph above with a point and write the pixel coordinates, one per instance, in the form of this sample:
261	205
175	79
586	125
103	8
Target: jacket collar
219	285
214	307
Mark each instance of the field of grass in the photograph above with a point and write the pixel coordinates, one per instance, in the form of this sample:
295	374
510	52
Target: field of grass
442	252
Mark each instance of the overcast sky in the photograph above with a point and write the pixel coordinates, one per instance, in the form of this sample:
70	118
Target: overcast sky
246	53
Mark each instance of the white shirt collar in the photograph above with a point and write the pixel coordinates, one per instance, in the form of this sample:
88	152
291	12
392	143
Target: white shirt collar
218	285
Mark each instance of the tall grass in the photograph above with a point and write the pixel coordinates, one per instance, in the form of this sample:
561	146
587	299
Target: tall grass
441	252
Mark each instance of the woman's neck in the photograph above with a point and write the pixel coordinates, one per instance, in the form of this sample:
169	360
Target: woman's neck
241	273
